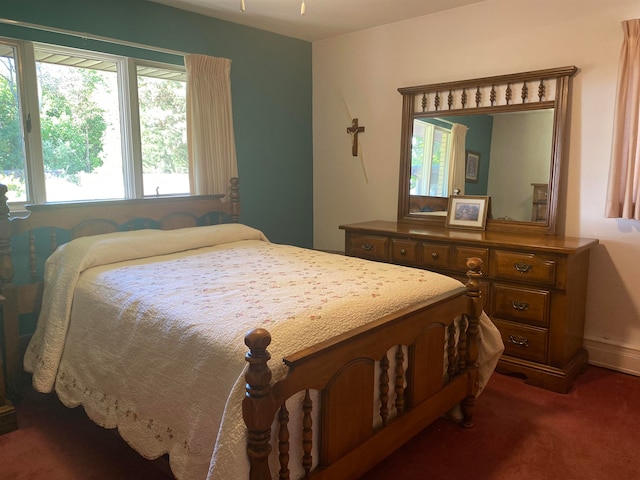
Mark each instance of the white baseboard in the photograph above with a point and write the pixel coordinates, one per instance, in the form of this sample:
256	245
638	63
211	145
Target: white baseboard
615	357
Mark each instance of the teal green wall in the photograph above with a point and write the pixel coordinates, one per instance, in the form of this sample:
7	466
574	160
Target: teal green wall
478	139
271	90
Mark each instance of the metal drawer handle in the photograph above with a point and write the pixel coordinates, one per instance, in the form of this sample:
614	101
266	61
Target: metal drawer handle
519	340
403	252
522	267
522	306
434	255
367	246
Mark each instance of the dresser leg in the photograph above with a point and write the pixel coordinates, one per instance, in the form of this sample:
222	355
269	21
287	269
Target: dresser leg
556	379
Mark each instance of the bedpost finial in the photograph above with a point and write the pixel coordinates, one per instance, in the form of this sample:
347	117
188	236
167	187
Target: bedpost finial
257	339
258	375
474	264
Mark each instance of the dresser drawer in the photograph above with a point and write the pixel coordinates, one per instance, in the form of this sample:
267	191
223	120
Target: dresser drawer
521	304
436	254
368	246
404	251
461	254
523	266
522	341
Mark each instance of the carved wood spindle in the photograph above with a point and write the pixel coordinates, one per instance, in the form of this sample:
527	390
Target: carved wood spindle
541	90
450	100
424	102
507	94
32	255
525	92
463	98
436	101
451	350
53	240
478	97
283	443
257	401
492	95
307	433
399	380
384	389
462	343
234	198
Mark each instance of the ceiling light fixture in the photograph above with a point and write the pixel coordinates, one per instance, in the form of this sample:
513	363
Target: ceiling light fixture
303	7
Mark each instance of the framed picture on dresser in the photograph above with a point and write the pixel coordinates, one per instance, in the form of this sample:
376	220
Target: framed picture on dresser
467	211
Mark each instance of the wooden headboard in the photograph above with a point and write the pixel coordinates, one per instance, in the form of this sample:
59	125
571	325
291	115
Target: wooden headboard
27	240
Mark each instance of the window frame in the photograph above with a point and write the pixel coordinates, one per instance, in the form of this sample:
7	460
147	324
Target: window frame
129	115
428	138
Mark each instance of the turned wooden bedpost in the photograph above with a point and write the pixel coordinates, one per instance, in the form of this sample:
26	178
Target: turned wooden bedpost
8	417
258	406
234	198
473	317
6	266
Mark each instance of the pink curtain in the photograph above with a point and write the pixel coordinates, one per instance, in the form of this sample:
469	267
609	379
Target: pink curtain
623	196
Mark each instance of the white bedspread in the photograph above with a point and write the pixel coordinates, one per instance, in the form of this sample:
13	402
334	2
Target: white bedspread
148	337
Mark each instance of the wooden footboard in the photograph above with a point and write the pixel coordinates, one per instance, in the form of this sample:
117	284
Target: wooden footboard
358	427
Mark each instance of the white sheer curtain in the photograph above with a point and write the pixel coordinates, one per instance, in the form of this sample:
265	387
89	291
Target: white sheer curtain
623	196
457	162
210	137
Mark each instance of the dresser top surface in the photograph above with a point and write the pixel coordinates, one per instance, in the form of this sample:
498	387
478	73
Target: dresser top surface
552	243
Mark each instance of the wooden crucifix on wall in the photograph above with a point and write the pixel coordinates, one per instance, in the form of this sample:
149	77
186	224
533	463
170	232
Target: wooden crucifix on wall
354	130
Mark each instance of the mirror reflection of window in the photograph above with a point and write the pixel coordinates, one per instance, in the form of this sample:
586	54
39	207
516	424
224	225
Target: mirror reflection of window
430	148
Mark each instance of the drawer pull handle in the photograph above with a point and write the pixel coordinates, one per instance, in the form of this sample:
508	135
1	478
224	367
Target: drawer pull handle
434	255
522	306
403	252
367	246
519	340
522	267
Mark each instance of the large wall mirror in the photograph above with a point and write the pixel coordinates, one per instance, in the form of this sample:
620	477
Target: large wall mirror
502	137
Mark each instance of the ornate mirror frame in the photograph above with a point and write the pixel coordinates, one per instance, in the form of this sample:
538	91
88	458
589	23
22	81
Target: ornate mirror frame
503	93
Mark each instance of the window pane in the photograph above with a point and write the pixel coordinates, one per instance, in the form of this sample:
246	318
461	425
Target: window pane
163	131
12	154
80	127
439	162
429	159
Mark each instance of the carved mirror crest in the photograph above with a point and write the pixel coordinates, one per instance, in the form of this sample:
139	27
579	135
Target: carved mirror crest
502	137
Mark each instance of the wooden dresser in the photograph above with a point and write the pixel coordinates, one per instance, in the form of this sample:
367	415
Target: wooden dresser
534	287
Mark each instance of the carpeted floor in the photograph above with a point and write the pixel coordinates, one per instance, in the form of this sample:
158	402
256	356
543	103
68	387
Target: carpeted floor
521	432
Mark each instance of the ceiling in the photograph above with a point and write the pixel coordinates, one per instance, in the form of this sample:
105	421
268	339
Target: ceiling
323	18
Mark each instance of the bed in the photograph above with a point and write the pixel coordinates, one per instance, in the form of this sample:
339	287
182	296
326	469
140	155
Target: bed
161	316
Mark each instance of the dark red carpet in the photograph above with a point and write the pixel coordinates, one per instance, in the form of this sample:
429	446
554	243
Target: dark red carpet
520	432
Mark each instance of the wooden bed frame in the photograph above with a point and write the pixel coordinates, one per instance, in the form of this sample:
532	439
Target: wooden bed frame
340	369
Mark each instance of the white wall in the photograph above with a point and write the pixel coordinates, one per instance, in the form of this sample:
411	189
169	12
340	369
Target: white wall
359	74
520	156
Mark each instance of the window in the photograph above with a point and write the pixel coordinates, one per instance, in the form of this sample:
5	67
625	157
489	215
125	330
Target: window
12	153
430	148
103	126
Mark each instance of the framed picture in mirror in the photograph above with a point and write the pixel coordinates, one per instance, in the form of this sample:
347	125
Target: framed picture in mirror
467	211
472	166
